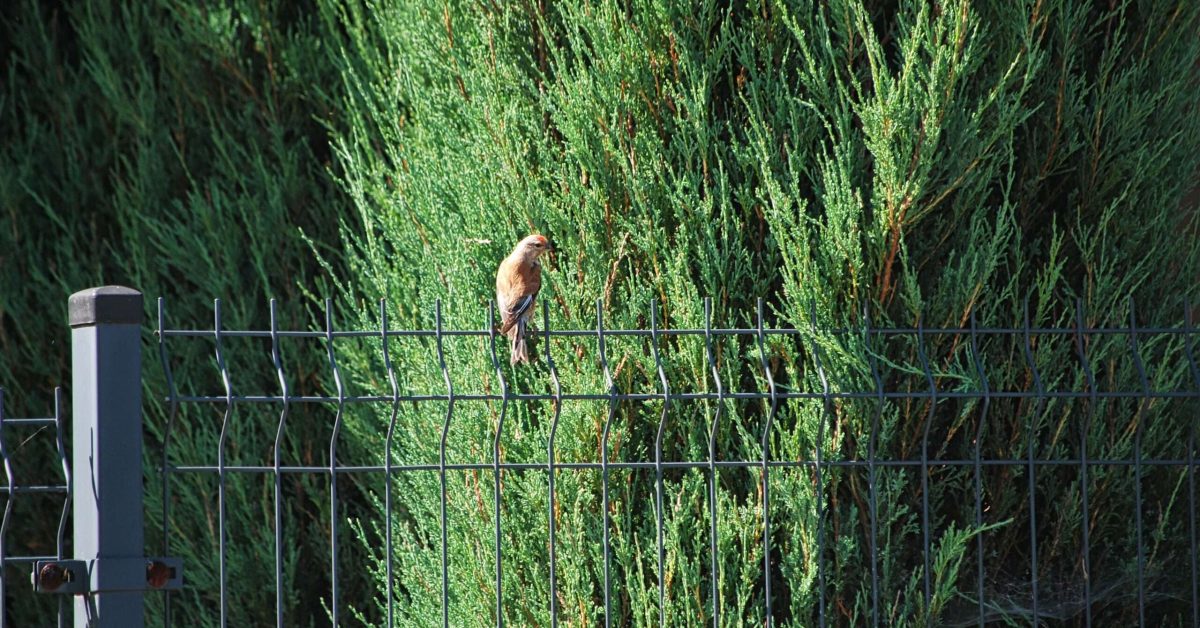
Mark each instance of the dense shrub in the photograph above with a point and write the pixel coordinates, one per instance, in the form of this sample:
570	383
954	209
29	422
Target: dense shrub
933	162
921	159
180	149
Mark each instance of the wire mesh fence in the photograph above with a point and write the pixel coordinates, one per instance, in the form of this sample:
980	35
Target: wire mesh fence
724	475
35	442
780	471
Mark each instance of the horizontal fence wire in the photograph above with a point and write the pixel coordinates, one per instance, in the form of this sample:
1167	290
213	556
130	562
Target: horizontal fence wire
917	385
22	431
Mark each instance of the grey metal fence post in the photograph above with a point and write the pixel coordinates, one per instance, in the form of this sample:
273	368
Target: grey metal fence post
106	363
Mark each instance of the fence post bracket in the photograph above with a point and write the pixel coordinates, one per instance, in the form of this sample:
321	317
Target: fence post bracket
102	575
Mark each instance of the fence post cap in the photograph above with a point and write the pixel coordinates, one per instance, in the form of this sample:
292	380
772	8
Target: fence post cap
113	305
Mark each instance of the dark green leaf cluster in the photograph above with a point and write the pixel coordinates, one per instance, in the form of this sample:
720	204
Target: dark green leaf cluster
844	160
932	160
179	148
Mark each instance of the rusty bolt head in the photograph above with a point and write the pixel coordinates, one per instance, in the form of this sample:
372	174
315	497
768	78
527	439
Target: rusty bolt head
157	574
51	577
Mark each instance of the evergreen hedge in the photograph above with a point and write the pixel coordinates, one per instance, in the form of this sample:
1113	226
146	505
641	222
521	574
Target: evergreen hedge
948	161
940	160
179	148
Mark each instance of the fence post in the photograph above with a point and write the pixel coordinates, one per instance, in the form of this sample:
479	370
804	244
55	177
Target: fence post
106	396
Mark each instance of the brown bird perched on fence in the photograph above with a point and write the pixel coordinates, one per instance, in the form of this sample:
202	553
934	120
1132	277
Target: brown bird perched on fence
517	283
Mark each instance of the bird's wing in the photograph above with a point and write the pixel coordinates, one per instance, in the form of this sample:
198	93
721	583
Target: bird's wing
515	311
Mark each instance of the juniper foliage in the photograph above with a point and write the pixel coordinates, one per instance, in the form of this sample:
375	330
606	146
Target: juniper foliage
177	148
843	160
942	162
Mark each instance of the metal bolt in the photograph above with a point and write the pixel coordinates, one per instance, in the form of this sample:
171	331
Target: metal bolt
157	574
52	576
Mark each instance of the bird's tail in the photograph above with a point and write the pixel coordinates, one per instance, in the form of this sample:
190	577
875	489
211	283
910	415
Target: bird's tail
520	350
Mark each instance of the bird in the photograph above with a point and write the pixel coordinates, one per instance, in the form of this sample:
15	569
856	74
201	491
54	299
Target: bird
518	281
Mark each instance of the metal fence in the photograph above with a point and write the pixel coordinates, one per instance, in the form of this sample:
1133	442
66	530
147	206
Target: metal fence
106	356
16	487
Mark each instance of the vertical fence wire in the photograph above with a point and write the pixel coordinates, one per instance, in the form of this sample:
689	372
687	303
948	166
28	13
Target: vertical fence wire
491	326
658	463
550	470
172	413
335	603
872	468
276	476
221	496
983	413
611	387
1039	406
1084	432
60	446
766	467
818	452
389	442
713	568
1139	419
927	542
441	356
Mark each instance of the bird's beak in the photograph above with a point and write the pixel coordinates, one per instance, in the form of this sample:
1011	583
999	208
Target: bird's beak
553	246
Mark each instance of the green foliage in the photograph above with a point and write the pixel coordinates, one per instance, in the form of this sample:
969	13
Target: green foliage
931	160
178	149
898	159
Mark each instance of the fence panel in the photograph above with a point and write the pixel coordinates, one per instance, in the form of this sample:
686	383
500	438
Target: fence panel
760	473
984	448
17	436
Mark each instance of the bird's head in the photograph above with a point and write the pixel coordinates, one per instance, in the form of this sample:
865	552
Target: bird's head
533	246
